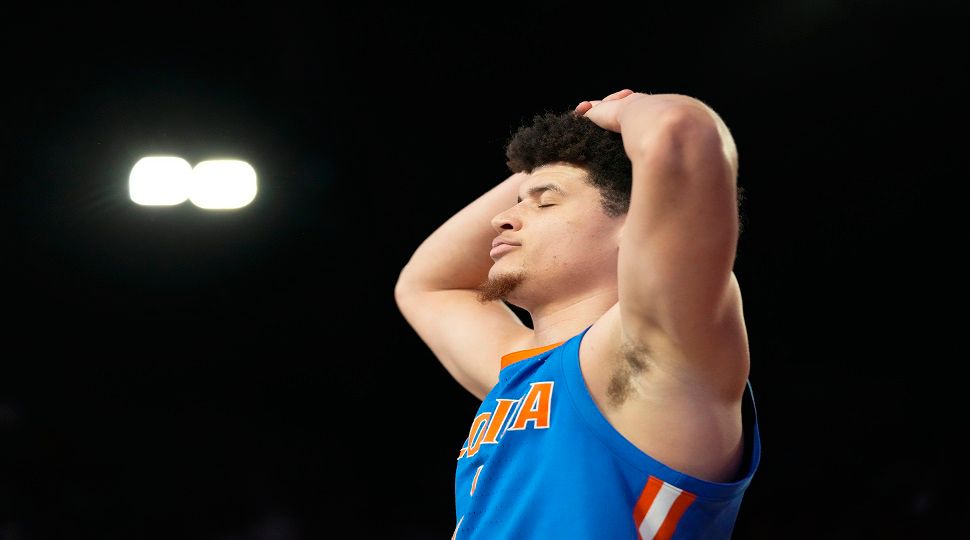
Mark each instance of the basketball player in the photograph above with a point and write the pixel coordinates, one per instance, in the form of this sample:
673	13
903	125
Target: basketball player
625	410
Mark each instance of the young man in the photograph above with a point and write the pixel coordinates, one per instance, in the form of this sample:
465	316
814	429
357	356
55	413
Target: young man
625	411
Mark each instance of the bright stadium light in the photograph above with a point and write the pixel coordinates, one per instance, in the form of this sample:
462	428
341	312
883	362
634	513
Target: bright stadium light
223	184
160	181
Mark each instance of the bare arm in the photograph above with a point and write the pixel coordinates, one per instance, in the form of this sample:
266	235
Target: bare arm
436	293
678	296
455	255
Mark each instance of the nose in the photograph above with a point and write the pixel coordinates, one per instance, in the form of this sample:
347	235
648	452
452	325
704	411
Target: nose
507	220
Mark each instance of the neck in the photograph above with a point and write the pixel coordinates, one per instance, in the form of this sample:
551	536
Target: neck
563	319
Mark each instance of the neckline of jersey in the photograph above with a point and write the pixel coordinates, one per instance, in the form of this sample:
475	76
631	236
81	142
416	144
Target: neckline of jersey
513	357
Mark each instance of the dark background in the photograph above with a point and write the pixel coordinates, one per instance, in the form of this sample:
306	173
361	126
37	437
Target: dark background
177	373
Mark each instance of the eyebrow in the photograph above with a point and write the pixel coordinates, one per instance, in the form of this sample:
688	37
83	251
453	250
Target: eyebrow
543	188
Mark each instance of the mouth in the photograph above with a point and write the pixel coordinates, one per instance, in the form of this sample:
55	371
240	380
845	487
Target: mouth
501	249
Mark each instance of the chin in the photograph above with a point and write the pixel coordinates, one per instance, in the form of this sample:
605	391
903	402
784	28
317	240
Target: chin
496	270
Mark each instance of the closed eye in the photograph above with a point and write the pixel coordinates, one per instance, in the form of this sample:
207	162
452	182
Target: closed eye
545	205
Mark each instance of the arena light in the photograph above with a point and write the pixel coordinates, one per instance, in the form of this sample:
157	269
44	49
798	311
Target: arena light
160	181
223	184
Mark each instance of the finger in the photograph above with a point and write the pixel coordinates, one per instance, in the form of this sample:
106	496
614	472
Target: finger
583	107
591	103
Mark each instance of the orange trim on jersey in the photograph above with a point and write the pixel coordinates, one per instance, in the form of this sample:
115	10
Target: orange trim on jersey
646	499
668	522
666	531
513	357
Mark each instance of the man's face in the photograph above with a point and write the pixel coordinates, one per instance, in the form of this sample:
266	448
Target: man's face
566	243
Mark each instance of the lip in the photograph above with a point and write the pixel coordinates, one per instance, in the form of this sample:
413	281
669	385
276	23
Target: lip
501	249
499	240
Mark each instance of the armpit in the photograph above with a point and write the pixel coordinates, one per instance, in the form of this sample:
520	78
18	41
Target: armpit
632	361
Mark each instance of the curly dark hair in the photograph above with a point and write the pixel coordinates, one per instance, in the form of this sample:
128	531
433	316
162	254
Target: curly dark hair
569	138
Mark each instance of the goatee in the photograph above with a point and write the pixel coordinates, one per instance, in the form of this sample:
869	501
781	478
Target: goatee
498	288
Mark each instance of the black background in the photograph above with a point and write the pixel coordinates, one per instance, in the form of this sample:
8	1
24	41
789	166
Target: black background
176	373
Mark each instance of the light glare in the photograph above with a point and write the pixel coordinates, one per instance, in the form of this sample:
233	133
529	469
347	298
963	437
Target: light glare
160	181
223	184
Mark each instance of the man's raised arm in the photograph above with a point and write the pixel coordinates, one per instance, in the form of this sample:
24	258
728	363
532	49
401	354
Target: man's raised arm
683	227
436	293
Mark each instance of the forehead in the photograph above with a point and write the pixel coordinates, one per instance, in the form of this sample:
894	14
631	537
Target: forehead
569	178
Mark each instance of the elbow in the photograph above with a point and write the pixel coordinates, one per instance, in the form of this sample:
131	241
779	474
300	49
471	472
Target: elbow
408	282
684	137
403	284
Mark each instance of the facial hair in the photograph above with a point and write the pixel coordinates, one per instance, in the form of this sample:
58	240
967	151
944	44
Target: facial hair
499	287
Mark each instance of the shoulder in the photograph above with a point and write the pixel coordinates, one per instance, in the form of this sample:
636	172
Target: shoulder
684	412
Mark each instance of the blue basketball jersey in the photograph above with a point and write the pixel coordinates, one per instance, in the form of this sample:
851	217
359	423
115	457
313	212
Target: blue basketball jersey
542	462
